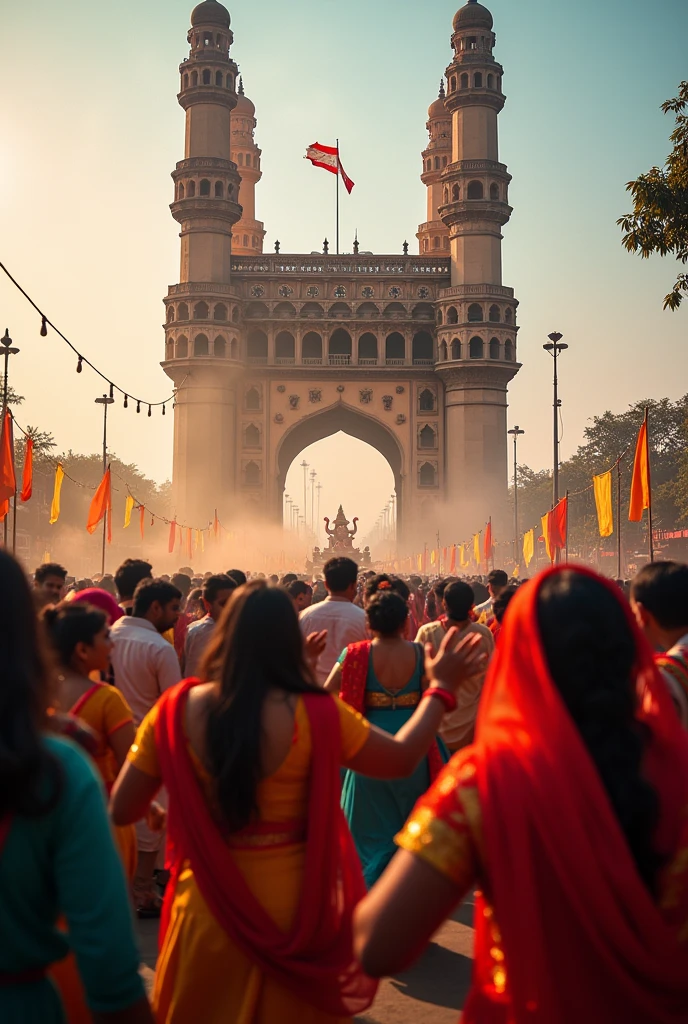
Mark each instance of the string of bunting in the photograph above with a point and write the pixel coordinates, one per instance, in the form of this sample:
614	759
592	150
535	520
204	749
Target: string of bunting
81	359
102	500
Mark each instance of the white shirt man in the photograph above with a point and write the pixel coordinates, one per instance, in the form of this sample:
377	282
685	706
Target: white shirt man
344	621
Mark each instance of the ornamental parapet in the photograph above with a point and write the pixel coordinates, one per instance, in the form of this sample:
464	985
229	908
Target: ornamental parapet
475	98
203	289
461	291
208	209
204	163
475	374
470	210
396	266
492	167
207	94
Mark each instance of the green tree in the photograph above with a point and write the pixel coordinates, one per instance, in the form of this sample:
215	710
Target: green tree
12	397
659	221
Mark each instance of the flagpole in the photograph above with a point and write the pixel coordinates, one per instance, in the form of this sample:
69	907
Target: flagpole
566	539
649	487
618	517
338	197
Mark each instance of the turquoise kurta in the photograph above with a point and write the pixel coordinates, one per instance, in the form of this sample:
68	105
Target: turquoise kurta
376	809
65	864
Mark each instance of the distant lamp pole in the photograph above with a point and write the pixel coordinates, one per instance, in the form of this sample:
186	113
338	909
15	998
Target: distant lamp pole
318	489
287	504
8	351
304	467
313	475
104	401
392	505
554	347
295	510
516	433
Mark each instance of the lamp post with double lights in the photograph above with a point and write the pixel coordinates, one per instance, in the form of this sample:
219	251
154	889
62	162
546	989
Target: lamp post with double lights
516	433
304	467
555	347
104	401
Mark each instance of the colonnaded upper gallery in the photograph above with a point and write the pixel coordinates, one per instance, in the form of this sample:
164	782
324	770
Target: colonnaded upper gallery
272	351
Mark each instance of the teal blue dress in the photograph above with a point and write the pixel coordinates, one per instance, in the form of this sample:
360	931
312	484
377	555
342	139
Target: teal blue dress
376	809
65	864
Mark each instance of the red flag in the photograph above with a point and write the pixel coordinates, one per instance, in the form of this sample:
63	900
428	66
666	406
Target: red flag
452	560
487	549
327	157
173	530
8	478
142	519
101	506
640	483
557	525
27	475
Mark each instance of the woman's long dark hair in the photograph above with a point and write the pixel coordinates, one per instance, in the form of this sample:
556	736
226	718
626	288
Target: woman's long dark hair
590	650
29	775
257	647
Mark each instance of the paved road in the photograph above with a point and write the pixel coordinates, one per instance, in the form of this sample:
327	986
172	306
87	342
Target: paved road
433	991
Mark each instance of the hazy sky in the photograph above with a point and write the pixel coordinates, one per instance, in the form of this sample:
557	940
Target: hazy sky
90	130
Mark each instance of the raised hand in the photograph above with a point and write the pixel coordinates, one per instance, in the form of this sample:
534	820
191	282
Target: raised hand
455	662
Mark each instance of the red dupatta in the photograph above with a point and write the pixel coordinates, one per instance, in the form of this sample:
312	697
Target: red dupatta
353	688
582	936
315	958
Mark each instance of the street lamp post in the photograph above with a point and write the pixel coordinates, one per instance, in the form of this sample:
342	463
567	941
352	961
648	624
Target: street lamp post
287	501
304	467
313	475
318	489
554	347
104	401
295	510
8	351
516	433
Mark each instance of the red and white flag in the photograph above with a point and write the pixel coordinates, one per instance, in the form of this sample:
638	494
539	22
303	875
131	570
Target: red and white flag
327	157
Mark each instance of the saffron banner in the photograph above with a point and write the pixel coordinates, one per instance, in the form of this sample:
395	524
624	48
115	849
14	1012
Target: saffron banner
602	485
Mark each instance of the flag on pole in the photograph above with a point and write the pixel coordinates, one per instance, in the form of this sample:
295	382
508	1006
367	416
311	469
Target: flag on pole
603	503
101	506
463	560
558	525
128	509
142	519
476	548
27	474
8	479
528	547
640	482
55	506
488	543
546	533
327	157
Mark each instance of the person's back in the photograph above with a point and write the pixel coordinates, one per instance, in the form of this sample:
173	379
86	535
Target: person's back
659	597
344	621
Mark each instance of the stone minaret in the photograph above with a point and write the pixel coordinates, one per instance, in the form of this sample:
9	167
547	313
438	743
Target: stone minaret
201	350
477	314
248	234
433	235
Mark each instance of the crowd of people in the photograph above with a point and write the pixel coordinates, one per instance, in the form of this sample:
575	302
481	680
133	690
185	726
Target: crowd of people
302	778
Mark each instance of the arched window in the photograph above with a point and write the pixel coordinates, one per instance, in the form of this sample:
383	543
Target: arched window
311	346
475	313
257	346
206	76
367	347
191	189
169	348
182	347
186	81
494	314
235	314
437	163
475	190
245	241
464	81
234	349
170	314
201	345
205	187
456	349
494	348
220	347
230	81
340	346
478	80
455	193
490	81
180	190
426	401
509	315
252	400
427	437
182	311
476	348
219	190
452	84
443	351
472	43
218	78
252	474
423	347
446	195
218	41
252	436
444	161
395	346
240	159
194	78
201	311
509	351
452	315
220	311
436	242
494	192
439	317
426	245
285	346
445	242
427	475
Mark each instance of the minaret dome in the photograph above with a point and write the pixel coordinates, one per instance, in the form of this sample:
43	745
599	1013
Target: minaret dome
210	12
472	15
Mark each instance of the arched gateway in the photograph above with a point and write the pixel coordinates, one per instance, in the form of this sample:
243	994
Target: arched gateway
270	353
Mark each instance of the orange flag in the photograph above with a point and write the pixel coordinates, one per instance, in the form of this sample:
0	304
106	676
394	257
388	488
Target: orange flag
101	506
27	475
189	542
142	519
8	479
488	542
173	530
640	484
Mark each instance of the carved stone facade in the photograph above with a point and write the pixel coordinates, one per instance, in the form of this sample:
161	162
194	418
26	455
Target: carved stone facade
271	353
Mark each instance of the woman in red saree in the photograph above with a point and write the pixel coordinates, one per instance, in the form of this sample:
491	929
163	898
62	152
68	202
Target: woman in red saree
570	811
256	926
